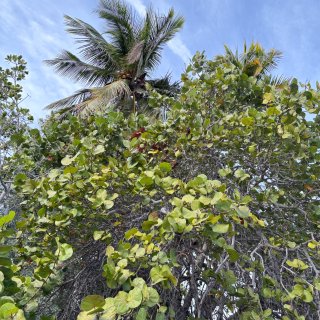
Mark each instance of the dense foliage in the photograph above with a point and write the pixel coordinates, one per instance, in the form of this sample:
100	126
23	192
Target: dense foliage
213	214
14	121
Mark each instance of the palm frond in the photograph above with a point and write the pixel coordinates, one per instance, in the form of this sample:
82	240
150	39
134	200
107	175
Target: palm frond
256	58
68	64
88	101
271	60
71	101
105	97
278	81
94	48
122	23
165	86
159	31
135	52
232	57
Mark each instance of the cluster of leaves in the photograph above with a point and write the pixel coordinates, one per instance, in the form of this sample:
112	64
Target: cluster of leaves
213	214
14	121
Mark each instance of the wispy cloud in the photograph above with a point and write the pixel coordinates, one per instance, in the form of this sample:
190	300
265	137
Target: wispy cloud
176	45
179	48
296	37
139	6
36	37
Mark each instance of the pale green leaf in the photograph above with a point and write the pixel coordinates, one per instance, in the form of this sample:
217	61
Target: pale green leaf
220	228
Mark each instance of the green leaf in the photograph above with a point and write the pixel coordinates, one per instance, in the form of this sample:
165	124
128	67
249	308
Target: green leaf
224	172
7	218
161	273
99	149
271	111
195	204
134	298
67	161
268	97
85	316
70	170
243	211
188	214
188	198
51	193
241	175
307	296
146	181
233	254
130	233
317	283
98	235
298	290
110	310
140	252
122	263
162	309
165	166
217	196
153	298
160	316
156	274
205	200
126	143
53	174
92	302
64	251
177	202
108	204
101	194
8	310
247	121
220	228
142	314
5	262
294	86
296	263
120	303
138	282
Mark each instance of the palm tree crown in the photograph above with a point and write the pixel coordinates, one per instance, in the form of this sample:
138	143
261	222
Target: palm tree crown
253	61
118	66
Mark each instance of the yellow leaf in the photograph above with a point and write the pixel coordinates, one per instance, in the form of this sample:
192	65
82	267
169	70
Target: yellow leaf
213	219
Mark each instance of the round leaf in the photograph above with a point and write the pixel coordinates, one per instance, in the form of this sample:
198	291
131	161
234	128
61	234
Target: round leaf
220	228
7	310
134	298
92	302
153	297
120	302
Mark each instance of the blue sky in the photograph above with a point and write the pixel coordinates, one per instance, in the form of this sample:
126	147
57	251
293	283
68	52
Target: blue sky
35	29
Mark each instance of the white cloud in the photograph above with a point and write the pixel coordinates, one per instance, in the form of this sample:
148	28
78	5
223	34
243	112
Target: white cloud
37	37
180	49
139	6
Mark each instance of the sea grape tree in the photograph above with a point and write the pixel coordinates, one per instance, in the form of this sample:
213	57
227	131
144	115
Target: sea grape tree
213	214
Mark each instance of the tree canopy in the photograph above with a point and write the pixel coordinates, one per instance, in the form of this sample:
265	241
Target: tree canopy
14	120
213	214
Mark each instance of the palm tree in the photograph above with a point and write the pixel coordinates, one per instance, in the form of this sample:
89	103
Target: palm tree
115	68
254	61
